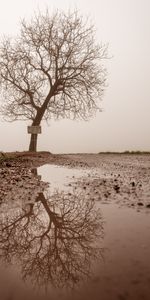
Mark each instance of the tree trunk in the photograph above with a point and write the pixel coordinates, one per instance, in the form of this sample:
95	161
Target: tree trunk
33	143
37	121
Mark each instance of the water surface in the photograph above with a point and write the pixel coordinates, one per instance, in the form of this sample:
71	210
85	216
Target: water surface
56	243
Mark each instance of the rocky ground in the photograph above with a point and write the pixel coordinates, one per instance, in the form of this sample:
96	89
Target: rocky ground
121	178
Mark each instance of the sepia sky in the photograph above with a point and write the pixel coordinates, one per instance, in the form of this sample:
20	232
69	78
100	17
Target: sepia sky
124	123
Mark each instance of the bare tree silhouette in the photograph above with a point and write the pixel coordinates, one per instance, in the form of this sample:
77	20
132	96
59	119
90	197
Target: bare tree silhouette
53	240
53	69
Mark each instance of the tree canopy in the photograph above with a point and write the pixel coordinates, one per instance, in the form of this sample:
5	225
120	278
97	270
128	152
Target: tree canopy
52	69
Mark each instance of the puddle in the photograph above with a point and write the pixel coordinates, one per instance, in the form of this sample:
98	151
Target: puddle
56	244
60	177
126	271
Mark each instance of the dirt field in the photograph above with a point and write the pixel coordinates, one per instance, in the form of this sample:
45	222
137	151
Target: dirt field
124	179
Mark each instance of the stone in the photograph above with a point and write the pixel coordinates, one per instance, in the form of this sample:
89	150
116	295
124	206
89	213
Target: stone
140	204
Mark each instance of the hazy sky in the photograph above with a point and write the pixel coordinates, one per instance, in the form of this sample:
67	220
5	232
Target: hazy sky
124	123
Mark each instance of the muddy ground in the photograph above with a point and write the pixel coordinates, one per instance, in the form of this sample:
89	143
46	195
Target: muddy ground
119	178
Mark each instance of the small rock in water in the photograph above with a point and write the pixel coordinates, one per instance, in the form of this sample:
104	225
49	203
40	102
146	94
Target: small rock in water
148	205
140	204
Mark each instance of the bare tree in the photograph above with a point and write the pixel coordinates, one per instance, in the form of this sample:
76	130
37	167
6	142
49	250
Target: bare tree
52	69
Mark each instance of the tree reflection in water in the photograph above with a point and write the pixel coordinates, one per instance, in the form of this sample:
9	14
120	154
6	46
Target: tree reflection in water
53	239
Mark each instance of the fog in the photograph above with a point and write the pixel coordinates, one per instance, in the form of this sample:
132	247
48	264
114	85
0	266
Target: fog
124	122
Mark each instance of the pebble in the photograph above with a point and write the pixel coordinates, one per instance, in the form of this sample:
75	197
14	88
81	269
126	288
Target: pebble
116	188
140	204
148	205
